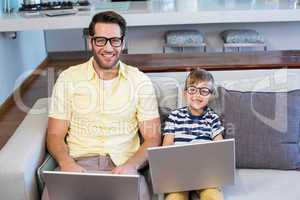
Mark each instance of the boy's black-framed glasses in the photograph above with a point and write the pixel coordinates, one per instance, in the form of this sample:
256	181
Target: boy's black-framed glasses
102	41
204	91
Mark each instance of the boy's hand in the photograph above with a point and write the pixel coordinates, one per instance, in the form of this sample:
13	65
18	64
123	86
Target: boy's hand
168	140
218	137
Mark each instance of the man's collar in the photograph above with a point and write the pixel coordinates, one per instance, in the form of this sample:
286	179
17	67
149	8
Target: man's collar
91	73
122	69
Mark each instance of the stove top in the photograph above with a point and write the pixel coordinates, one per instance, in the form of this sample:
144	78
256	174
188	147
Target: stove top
57	5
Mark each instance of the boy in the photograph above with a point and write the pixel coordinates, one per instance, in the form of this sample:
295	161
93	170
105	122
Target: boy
195	122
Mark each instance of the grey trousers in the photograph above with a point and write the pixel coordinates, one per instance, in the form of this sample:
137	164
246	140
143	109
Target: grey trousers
104	163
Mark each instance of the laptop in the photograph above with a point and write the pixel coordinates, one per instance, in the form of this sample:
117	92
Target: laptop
91	186
192	166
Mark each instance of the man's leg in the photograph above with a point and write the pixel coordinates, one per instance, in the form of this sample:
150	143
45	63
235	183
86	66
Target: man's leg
211	194
144	189
177	196
96	163
106	164
45	195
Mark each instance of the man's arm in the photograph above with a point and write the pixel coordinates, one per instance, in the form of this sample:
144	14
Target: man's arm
150	131
56	133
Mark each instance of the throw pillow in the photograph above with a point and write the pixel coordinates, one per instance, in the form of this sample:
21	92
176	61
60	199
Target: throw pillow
184	38
241	36
265	126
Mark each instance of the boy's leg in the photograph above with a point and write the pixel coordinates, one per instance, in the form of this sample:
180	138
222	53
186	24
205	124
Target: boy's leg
177	196
211	194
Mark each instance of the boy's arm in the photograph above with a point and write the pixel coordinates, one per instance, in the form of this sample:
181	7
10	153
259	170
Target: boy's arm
168	140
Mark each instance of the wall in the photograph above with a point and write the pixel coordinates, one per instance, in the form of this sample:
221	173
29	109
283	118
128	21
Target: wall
278	36
18	58
64	40
13	4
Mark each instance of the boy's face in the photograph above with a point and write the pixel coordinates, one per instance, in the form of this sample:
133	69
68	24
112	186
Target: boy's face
197	96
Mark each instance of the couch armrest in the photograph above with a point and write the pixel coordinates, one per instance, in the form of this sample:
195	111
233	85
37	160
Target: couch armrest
22	155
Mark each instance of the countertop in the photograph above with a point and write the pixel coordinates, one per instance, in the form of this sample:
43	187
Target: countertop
162	12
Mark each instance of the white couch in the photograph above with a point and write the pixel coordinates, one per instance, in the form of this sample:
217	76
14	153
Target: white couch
25	151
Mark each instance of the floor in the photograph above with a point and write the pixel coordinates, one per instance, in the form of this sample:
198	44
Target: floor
23	101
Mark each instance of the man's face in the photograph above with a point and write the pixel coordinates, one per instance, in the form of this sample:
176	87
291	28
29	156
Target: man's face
107	56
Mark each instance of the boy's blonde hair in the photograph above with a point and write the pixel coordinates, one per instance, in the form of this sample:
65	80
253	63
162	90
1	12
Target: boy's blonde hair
199	75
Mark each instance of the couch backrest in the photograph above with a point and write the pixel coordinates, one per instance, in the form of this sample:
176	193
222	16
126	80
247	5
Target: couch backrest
168	92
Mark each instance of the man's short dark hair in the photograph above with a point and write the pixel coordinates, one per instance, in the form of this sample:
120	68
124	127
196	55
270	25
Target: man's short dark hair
107	17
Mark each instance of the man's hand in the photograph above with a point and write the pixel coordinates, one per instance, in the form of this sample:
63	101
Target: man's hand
71	167
125	169
150	131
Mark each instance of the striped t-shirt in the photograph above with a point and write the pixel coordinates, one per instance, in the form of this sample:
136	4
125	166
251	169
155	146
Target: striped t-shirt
189	128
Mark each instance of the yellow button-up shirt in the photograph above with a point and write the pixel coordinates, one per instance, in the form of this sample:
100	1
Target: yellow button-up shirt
103	120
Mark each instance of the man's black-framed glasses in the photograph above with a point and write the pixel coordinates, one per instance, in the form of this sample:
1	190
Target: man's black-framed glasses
114	41
204	91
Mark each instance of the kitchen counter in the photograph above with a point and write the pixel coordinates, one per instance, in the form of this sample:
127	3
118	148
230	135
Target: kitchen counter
162	12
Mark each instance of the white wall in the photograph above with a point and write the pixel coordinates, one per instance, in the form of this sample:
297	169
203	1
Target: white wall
18	58
1	6
278	36
64	40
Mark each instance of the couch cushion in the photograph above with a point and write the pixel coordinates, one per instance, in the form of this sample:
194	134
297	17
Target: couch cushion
265	126
260	184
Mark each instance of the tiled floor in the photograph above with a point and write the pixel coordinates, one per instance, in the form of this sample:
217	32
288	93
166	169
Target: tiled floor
39	88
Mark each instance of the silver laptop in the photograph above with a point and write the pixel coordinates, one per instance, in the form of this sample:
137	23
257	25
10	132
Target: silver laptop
91	186
192	166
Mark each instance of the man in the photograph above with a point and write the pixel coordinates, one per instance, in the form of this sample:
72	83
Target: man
99	106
